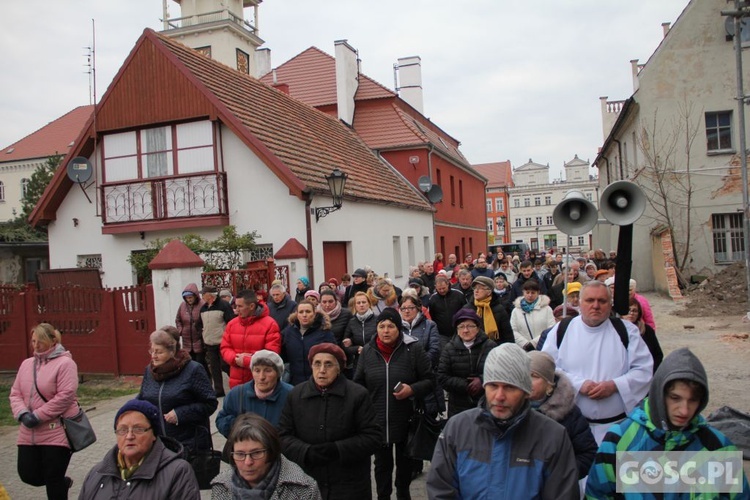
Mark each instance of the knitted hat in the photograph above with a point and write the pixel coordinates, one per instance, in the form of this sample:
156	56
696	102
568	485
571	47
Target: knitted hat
312	293
328	348
500	273
360	272
333	281
484	281
600	272
150	411
543	365
225	293
416	281
574	287
508	364
569	312
393	316
464	314
304	280
266	357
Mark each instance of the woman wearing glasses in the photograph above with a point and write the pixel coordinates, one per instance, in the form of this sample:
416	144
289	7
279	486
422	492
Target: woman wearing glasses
259	470
181	390
462	362
143	464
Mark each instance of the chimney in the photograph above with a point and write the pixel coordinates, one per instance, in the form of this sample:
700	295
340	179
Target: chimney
262	62
665	28
634	69
347	80
410	81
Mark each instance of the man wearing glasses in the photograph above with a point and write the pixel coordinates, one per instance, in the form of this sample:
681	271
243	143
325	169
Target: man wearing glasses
143	463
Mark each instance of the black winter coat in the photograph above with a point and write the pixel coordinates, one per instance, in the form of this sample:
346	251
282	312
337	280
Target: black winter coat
295	347
457	364
361	333
502	319
408	364
517	291
338	325
443	307
280	312
193	399
343	415
468	293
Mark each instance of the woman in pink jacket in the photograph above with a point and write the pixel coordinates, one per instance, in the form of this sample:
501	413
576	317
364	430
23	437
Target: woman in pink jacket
44	390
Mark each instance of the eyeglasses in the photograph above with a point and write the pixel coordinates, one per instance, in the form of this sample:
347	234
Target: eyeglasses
137	431
241	456
410	308
470	326
328	365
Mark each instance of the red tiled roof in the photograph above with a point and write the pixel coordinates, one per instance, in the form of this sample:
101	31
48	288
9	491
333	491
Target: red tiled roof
54	138
300	144
498	174
311	76
175	255
292	249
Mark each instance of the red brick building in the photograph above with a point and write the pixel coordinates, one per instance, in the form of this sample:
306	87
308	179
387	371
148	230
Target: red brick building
499	178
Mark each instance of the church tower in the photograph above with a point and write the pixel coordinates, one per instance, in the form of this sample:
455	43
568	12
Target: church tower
218	29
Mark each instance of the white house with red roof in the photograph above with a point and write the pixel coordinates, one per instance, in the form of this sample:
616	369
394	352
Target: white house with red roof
184	144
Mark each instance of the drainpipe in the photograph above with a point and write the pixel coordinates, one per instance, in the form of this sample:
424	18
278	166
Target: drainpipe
619	155
308	227
429	173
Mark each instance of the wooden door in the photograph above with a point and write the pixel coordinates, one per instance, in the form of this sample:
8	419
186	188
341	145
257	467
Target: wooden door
334	261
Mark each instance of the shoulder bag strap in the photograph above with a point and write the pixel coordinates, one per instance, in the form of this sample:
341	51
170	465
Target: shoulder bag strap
33	368
527	326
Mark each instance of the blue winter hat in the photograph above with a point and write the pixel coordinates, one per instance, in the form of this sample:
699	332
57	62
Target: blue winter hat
304	280
150	411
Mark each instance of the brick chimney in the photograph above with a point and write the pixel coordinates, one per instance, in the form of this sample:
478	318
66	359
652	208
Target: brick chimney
347	80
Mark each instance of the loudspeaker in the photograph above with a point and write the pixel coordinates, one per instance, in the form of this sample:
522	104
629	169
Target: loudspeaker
622	203
575	215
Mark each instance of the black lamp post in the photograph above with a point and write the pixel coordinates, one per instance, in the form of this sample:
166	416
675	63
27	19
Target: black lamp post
336	183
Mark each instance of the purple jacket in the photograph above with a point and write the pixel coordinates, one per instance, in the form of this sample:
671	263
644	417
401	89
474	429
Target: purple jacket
57	379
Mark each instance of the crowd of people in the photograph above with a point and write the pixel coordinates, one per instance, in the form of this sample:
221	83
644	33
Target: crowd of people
544	385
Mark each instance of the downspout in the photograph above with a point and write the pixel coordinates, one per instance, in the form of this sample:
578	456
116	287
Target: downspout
609	174
308	227
429	173
619	158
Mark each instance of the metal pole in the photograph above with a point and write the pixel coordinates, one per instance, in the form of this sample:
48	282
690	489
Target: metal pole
738	14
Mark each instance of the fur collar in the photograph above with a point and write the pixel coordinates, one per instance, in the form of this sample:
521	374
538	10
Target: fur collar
562	400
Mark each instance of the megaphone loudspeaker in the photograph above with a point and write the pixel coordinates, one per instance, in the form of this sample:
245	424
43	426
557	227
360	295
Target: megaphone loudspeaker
575	215
622	203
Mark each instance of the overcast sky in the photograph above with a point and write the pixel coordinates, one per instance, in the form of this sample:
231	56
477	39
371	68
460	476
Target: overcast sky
510	80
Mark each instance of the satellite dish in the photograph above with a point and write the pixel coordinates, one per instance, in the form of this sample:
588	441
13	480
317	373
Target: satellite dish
79	170
424	183
435	194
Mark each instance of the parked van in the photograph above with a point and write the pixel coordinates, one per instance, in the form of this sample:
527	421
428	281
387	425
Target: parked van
511	248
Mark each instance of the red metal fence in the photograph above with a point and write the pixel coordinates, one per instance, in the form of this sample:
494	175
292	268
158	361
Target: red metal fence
257	276
106	330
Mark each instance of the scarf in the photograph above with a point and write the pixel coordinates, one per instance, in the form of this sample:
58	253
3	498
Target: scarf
333	314
410	326
386	350
241	490
263	395
170	368
485	311
365	316
125	471
527	307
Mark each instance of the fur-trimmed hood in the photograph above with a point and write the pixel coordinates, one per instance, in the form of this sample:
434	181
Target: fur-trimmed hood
562	400
390	300
321	322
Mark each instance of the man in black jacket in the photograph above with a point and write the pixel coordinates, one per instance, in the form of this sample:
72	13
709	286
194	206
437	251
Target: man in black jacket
443	304
281	305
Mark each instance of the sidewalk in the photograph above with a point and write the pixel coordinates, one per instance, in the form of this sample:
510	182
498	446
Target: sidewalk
102	419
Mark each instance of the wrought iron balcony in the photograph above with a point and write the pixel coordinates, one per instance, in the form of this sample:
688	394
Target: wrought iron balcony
207	18
179	196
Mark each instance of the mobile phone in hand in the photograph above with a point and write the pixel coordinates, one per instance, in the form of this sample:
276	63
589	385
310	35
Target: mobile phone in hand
398	387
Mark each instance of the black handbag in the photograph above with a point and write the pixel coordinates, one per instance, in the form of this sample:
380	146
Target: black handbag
424	431
205	463
78	429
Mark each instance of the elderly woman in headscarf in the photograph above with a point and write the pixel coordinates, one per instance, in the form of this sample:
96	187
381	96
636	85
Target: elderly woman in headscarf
144	463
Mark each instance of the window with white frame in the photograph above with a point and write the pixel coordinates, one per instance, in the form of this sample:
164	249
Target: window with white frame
528	221
489	205
397	265
550	221
728	237
499	205
538	221
588	196
24	187
570	241
537	201
499	223
260	252
147	153
548	200
2	191
490	227
718	131
518	222
581	240
517	203
527	202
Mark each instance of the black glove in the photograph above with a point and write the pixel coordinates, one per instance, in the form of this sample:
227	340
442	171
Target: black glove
474	388
529	347
318	454
29	420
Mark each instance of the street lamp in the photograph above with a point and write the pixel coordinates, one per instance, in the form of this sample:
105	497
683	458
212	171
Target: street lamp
336	182
502	225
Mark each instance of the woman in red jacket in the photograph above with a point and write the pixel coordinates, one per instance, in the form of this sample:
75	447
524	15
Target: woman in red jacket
45	390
